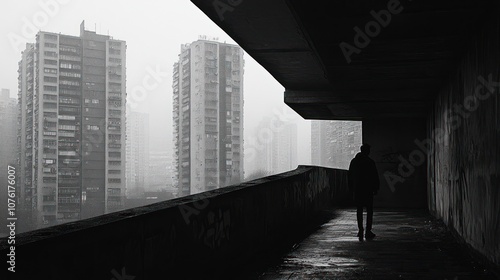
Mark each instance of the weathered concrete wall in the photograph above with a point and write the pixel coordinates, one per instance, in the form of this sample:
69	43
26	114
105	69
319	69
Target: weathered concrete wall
401	164
207	233
464	130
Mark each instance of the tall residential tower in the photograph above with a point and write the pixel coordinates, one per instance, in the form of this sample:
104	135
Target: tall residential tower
335	143
137	153
208	116
8	151
72	126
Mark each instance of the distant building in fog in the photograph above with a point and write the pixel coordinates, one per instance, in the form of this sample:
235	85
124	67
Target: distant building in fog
160	171
8	146
208	116
8	132
276	151
72	127
335	143
137	153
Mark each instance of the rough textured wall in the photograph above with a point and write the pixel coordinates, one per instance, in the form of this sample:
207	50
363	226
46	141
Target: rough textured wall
401	164
464	131
206	233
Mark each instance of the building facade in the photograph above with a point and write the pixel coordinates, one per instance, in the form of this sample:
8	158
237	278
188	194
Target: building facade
72	126
137	153
208	116
277	149
8	131
160	171
8	151
335	143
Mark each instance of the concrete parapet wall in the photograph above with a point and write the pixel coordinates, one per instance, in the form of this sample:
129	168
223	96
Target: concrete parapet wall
204	234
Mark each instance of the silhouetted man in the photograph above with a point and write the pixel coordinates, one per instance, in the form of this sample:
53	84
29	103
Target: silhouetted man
364	180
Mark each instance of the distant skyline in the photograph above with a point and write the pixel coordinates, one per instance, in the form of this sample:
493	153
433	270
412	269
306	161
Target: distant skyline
154	32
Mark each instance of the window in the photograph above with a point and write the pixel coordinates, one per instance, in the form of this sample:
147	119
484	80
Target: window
50	88
50	45
69	100
49	161
67	153
49	97
49	105
72	75
69	57
50	79
114	52
50	70
49	179
92	127
115	154
93	101
115	43
67	65
65	117
66	134
67	127
70	83
47	142
50	53
69	91
50	61
67	49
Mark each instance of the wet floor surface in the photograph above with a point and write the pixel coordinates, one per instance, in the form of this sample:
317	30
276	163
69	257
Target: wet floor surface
408	245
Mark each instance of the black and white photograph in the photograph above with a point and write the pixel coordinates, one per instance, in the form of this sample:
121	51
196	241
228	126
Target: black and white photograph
250	140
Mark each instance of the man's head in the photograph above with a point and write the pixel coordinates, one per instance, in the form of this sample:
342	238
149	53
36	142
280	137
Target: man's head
365	149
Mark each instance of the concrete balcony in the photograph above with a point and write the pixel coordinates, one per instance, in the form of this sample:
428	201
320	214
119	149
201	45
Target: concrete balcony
212	234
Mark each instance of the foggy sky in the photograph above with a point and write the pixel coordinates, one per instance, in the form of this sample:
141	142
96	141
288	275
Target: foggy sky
154	31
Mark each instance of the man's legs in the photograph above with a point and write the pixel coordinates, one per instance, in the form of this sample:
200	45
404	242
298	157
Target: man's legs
359	215
369	219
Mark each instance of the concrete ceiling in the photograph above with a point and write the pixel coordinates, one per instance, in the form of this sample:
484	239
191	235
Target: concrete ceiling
395	72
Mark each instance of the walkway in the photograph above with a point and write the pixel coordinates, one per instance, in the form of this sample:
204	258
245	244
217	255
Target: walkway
409	245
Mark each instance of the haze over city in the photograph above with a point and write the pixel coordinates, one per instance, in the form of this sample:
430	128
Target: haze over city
154	32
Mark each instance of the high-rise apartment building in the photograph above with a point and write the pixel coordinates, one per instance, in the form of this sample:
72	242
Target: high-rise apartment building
276	150
208	116
335	143
137	153
72	126
160	171
8	131
8	151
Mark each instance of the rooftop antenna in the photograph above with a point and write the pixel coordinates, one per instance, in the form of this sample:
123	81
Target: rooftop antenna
95	27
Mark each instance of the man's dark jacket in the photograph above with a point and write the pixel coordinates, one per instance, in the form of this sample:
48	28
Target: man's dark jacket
363	178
